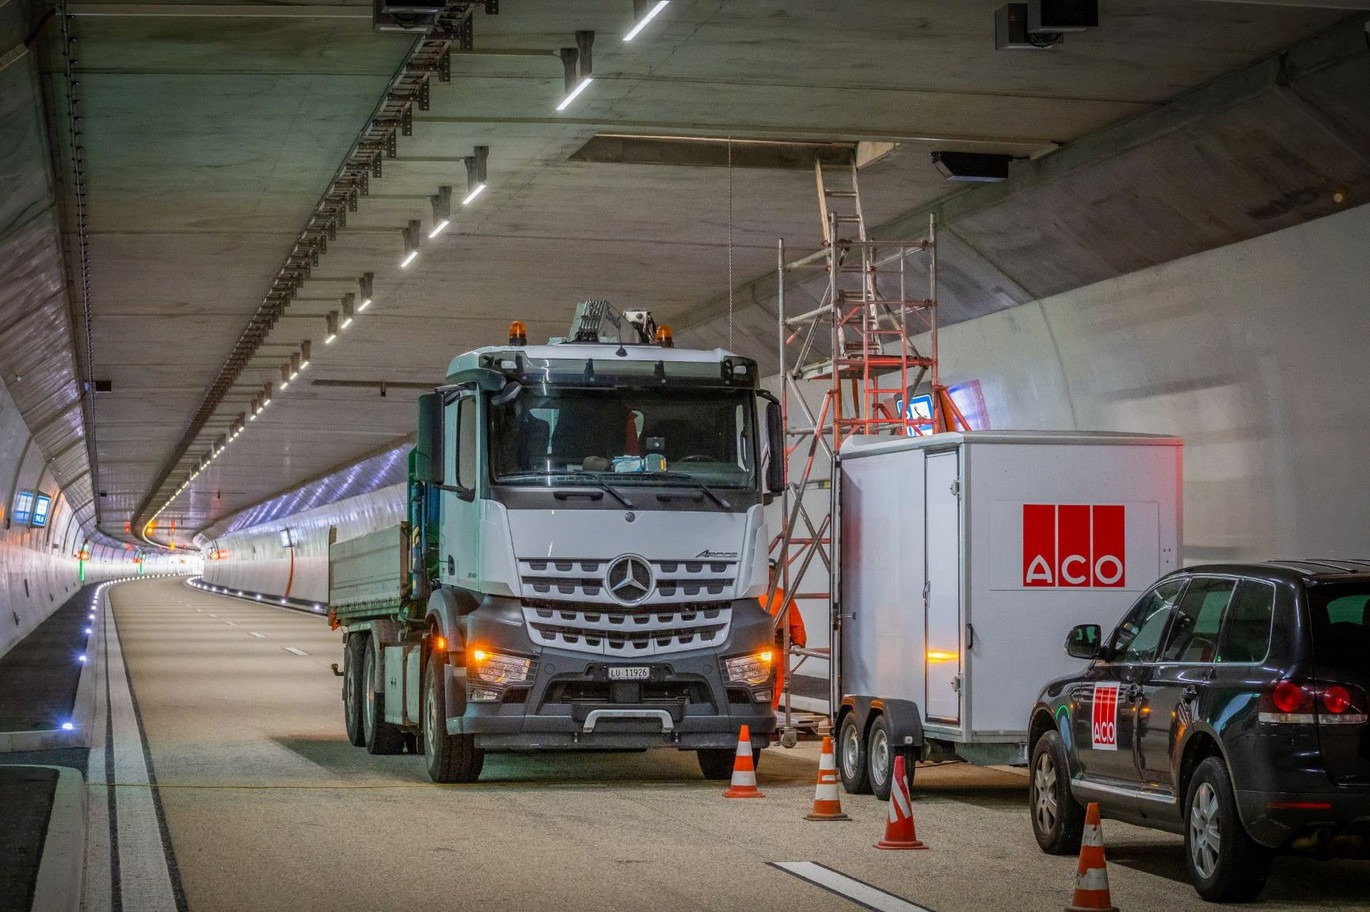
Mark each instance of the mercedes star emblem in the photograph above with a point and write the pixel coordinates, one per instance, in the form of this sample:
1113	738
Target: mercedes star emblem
629	579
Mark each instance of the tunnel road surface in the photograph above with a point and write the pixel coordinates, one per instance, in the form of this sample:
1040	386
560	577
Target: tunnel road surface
220	758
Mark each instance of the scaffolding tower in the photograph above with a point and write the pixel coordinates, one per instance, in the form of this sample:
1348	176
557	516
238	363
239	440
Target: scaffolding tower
859	337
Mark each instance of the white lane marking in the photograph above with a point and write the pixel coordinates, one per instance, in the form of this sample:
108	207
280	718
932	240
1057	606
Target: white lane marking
213	615
294	651
199	610
260	636
99	884
143	878
230	623
858	891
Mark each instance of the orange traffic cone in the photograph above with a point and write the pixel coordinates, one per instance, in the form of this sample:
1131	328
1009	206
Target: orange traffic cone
899	831
826	803
1091	878
743	784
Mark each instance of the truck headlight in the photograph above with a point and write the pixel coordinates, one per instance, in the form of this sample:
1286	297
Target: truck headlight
749	669
496	668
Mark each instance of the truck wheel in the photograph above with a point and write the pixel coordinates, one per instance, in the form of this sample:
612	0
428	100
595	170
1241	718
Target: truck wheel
381	737
1225	864
354	651
851	757
717	762
450	758
1057	818
880	754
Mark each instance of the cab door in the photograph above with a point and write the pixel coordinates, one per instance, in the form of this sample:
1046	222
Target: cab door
1106	699
459	547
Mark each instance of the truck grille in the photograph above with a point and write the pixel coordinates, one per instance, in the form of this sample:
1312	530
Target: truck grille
627	633
674	582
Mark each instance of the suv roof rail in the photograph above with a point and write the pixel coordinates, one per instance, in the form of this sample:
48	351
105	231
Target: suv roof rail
1322	565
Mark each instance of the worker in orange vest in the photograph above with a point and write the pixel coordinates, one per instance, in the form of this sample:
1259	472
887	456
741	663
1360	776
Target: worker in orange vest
798	635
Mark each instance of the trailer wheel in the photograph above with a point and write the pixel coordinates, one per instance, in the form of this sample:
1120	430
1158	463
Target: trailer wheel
354	652
880	753
851	757
450	758
382	737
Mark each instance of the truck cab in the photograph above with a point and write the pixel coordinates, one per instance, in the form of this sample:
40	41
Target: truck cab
589	550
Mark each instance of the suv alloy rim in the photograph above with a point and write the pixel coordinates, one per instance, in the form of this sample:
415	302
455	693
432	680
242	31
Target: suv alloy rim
1203	830
1044	780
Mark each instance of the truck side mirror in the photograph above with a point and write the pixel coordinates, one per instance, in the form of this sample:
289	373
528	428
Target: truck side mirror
775	436
428	447
1083	642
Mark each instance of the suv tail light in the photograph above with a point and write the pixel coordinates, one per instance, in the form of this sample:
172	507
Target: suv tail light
1289	703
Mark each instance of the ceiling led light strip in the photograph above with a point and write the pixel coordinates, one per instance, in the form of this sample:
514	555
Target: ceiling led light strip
642	19
393	117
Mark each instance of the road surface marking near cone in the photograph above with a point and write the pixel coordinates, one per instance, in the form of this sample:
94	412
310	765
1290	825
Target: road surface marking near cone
743	784
1091	876
827	804
899	829
858	891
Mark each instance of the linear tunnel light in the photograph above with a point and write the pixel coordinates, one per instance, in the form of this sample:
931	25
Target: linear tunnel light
285	376
348	311
475	173
575	93
442	210
304	354
366	283
577	67
642	19
411	243
331	322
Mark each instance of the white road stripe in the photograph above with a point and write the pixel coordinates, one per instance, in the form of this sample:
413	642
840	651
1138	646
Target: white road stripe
213	615
294	651
199	610
260	636
859	892
230	623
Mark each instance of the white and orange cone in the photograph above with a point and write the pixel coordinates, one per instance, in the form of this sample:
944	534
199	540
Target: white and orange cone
899	829
1091	877
743	784
826	803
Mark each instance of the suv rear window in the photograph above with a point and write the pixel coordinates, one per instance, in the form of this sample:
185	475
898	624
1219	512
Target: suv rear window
1341	624
1246	626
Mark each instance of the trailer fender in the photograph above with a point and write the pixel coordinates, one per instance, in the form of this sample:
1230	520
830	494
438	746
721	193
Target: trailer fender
445	608
904	719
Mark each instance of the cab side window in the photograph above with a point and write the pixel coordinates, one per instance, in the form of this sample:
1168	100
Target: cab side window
466	443
1246	627
1139	635
1194	634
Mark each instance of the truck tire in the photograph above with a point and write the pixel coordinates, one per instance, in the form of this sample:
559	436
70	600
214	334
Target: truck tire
1057	818
716	762
880	754
851	757
449	758
1224	863
381	737
354	652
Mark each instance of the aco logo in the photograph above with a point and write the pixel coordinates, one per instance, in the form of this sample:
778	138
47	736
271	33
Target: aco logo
1074	545
1103	733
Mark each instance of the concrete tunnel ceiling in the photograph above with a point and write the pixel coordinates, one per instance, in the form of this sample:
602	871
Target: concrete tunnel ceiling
210	132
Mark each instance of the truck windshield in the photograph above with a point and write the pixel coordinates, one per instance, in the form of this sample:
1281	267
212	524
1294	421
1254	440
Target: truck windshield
660	436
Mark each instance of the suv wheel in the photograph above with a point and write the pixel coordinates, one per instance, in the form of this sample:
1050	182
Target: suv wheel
1225	864
851	757
1057	818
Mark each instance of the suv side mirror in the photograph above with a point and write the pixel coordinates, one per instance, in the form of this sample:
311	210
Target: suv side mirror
1083	642
775	436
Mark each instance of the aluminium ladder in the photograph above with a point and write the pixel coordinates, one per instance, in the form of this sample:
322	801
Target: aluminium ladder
859	336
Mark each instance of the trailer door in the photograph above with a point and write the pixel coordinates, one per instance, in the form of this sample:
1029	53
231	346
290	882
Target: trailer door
943	586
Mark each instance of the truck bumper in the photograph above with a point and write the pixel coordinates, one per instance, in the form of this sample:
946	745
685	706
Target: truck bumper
571	703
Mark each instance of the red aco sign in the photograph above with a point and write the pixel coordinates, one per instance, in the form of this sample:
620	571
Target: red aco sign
1103	732
1074	546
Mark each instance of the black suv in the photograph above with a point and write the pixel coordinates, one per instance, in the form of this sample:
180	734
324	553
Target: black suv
1229	705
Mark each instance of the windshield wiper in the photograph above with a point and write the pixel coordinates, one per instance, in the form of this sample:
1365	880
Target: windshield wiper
697	484
588	477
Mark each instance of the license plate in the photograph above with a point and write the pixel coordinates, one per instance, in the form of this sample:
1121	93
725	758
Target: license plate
629	672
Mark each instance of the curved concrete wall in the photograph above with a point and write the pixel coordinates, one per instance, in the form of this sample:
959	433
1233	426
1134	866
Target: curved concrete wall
38	564
255	562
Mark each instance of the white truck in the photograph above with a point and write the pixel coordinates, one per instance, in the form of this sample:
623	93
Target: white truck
962	561
582	562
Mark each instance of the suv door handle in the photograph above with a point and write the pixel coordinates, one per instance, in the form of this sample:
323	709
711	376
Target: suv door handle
1134	693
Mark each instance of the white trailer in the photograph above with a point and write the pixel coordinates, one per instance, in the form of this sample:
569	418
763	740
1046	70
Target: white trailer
962	560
